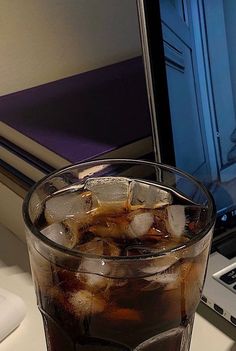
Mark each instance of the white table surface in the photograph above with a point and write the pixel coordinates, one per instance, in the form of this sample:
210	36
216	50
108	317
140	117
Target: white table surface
211	332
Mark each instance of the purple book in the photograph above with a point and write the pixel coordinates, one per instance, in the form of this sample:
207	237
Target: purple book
80	117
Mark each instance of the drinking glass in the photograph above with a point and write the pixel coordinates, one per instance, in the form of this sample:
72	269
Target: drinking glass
118	251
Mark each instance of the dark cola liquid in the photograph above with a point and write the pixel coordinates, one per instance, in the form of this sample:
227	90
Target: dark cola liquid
88	310
131	314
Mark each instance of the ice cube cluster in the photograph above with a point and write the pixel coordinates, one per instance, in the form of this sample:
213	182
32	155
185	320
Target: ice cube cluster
150	209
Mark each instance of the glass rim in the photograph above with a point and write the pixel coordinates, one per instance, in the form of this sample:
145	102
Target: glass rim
69	251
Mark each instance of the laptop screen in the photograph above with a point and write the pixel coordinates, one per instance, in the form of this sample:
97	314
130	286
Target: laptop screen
193	105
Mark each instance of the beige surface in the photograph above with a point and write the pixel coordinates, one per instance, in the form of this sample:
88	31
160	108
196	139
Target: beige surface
42	41
10	204
211	332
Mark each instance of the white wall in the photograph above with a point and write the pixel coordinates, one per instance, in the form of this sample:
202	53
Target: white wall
45	40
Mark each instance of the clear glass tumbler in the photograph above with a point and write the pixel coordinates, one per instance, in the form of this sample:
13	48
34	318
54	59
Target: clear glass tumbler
118	251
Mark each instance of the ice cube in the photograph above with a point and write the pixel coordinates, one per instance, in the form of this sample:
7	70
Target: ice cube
100	282
94	246
111	190
161	271
93	266
158	265
162	280
95	272
108	224
183	270
167	278
186	220
144	195
58	233
69	205
132	225
140	224
85	303
73	226
100	247
94	282
176	220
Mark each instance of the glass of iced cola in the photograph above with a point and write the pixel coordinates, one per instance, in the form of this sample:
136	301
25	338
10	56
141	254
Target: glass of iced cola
118	252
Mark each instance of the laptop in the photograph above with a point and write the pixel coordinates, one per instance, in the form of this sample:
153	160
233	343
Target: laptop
193	117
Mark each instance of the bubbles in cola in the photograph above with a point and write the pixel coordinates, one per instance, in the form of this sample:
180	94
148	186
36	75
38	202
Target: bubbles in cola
134	273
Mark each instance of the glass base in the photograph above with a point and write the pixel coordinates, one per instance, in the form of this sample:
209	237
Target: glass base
177	339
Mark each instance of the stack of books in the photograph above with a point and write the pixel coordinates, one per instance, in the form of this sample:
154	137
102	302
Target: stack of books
96	114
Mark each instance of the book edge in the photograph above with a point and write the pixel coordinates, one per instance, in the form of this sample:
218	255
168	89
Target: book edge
134	149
